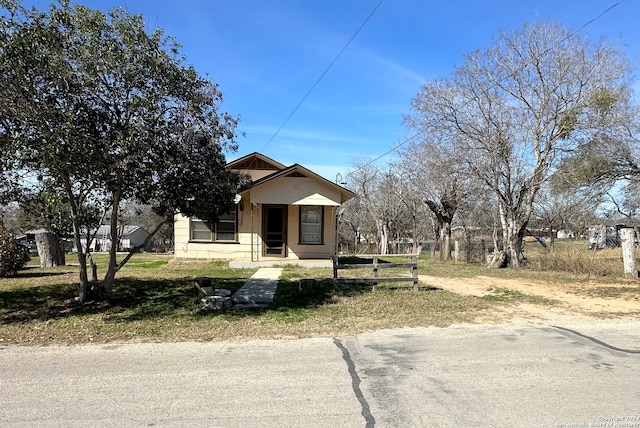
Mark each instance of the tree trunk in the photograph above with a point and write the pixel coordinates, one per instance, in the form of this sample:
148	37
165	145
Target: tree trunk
50	250
83	285
109	278
500	258
515	244
516	257
445	238
436	237
468	244
511	254
384	239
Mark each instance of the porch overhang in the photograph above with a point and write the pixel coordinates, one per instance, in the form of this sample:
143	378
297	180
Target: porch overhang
315	199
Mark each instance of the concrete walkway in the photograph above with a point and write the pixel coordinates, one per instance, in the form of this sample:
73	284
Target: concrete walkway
259	289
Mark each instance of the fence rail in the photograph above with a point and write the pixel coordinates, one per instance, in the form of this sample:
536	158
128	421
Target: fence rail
375	267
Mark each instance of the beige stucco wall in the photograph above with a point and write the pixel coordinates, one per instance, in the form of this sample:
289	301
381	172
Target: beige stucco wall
295	190
301	251
256	174
216	250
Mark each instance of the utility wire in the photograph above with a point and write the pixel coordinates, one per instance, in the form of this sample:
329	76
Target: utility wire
323	74
555	45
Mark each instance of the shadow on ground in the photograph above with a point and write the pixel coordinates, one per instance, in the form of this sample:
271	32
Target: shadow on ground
36	272
139	299
133	299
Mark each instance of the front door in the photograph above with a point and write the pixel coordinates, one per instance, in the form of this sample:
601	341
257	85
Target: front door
274	230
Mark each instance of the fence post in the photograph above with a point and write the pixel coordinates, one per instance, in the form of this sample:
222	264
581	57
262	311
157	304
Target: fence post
414	271
335	271
627	234
375	272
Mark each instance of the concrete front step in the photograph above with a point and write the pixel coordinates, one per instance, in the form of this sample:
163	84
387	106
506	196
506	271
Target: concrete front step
259	289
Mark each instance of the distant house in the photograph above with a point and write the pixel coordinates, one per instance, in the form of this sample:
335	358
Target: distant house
565	234
130	237
607	234
28	239
286	212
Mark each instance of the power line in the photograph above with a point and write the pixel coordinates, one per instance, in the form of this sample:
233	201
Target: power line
323	74
385	153
555	45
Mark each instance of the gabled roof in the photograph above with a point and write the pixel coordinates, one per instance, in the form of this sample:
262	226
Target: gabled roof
105	230
297	170
255	161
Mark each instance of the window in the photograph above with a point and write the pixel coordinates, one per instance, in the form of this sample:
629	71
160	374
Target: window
311	224
222	230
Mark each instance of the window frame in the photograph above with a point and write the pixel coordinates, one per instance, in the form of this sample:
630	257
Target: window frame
212	226
300	224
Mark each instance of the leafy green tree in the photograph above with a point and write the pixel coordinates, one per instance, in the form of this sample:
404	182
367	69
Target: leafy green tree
107	112
13	256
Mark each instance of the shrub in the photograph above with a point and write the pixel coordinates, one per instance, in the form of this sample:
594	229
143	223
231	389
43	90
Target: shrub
13	256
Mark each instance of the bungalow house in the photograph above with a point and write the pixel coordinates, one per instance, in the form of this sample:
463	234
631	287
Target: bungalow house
286	212
130	237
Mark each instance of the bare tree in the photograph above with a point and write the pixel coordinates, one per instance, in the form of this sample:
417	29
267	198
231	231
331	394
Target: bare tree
387	203
355	225
515	109
436	176
557	211
365	211
410	213
607	166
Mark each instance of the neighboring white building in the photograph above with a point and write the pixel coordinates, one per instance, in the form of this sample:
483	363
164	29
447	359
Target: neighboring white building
130	237
565	234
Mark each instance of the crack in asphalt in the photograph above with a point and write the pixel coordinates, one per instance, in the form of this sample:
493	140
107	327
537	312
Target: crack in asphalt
597	341
355	385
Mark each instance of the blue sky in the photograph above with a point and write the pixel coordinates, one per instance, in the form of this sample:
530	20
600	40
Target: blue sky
267	54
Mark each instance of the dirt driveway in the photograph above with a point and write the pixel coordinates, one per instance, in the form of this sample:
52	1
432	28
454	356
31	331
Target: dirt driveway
537	302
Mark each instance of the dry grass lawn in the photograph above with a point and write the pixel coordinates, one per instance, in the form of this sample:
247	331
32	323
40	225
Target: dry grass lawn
156	301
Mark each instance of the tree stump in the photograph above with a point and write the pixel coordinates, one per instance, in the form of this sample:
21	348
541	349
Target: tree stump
50	250
307	286
499	260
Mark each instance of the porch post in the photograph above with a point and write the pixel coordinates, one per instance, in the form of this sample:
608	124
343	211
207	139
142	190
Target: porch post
251	242
336	213
256	241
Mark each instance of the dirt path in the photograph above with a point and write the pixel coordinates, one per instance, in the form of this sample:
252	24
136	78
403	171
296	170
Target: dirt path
566	302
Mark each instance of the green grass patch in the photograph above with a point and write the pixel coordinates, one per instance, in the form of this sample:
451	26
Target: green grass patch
500	294
612	292
146	264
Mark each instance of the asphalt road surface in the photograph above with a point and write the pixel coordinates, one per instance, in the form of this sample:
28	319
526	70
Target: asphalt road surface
469	376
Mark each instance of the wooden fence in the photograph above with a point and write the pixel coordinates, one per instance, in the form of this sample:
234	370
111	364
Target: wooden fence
372	261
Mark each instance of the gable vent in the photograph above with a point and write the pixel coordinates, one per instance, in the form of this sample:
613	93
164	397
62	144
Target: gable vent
296	174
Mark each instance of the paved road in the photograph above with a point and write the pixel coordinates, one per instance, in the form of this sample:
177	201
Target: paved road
580	375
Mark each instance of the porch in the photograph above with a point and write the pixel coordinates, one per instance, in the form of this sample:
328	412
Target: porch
279	261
